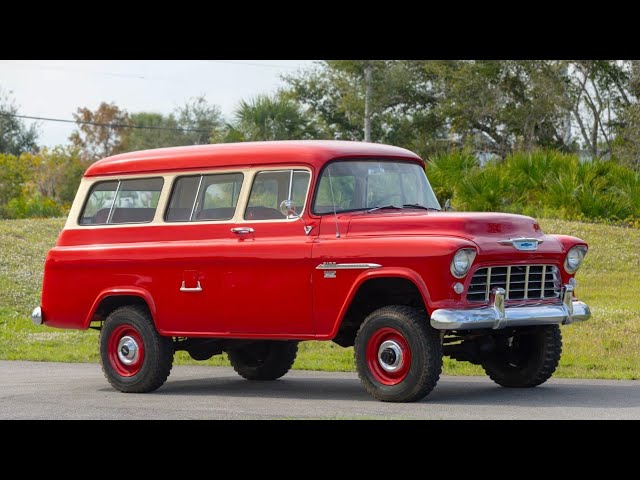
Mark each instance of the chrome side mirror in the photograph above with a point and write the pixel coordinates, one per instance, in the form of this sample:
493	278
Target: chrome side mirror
288	209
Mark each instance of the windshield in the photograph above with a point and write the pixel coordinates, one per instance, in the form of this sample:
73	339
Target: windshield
353	185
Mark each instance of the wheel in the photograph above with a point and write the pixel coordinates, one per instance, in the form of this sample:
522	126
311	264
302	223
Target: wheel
135	358
264	360
398	354
526	359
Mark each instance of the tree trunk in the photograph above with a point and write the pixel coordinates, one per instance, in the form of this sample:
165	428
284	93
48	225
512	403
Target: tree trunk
367	104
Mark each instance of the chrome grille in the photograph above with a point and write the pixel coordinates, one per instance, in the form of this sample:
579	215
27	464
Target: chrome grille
521	282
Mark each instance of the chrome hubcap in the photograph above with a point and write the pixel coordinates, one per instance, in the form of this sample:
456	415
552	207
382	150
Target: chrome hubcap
390	356
127	350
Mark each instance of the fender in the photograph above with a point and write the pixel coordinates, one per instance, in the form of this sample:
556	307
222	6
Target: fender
117	292
384	272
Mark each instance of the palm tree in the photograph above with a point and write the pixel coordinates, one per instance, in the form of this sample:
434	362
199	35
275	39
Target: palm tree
269	118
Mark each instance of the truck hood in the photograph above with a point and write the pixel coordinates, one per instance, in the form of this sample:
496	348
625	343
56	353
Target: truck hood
484	229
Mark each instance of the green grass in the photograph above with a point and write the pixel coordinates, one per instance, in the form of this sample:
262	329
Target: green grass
607	346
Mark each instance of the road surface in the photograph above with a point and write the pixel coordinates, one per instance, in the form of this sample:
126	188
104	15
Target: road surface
36	390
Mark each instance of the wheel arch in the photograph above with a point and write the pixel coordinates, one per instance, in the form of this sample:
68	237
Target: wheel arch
109	300
374	289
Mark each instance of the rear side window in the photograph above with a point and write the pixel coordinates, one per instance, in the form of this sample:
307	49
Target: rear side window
122	201
199	198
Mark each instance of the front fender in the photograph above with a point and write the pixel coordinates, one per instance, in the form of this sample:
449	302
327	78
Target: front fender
384	272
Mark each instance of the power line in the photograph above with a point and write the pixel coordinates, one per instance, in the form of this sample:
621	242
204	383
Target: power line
252	64
108	125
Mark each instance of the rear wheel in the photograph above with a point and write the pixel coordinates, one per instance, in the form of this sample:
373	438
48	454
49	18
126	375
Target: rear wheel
526	359
398	354
135	358
263	360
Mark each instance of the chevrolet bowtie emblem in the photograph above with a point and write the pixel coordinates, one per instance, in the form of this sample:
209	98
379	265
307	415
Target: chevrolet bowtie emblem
526	244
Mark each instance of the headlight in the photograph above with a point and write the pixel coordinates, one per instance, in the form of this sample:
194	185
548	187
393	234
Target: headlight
574	258
462	261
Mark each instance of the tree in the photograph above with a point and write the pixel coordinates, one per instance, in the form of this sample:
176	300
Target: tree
198	114
15	136
95	139
269	118
146	138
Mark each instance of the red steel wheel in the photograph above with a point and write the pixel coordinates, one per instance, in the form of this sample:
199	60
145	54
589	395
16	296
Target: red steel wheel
126	350
388	356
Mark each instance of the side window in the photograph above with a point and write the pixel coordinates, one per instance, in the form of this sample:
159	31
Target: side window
270	188
124	201
204	197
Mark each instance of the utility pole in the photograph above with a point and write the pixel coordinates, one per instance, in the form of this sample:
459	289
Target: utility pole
367	103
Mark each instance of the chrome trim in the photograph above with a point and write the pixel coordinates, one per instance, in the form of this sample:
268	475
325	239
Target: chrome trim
484	278
242	230
515	243
183	288
128	350
398	359
497	316
346	266
36	316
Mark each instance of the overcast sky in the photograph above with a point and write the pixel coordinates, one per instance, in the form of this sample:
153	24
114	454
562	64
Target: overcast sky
56	88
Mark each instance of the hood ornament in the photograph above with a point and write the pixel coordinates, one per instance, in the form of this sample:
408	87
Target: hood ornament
522	243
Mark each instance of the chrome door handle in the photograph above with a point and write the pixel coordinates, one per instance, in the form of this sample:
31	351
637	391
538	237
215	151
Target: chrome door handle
242	230
194	289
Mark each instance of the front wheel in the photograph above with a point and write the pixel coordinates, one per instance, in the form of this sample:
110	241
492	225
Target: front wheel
135	358
528	358
398	354
263	360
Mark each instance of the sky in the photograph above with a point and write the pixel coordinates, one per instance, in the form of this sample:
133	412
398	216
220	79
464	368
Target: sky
56	88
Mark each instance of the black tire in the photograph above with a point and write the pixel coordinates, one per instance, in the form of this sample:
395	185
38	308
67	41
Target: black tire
264	360
527	359
415	379
156	361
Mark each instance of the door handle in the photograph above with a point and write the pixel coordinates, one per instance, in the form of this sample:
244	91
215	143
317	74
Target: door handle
242	230
191	289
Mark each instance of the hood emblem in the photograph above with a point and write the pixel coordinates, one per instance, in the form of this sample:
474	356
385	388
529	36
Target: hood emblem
524	244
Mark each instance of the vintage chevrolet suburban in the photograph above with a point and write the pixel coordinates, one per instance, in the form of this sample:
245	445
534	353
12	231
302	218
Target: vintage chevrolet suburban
249	248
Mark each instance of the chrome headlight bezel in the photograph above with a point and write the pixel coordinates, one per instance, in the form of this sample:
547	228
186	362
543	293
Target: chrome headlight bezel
574	258
462	261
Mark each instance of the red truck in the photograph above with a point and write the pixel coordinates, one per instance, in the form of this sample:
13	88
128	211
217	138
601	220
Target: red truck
250	248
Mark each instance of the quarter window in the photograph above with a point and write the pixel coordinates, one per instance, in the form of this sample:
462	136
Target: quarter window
270	188
204	197
122	201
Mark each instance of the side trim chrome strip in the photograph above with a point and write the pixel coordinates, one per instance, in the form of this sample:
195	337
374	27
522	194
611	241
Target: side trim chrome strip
346	266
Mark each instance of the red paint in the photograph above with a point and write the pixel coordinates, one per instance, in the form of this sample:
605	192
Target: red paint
373	345
121	368
265	284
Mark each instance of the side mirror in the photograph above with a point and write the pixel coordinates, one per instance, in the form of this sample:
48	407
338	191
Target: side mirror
288	209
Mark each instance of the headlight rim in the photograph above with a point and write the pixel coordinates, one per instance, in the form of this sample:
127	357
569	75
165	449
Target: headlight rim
470	253
582	249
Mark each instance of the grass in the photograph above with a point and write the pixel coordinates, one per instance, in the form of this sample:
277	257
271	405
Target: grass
607	346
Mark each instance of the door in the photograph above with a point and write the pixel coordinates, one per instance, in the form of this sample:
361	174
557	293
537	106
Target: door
268	285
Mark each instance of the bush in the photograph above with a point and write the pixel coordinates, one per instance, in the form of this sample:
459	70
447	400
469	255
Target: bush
541	183
34	207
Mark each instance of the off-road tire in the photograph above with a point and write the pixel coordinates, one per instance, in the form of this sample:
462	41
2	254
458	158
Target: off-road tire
420	342
263	360
537	362
157	361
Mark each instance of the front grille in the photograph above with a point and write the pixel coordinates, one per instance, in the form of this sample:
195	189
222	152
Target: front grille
521	282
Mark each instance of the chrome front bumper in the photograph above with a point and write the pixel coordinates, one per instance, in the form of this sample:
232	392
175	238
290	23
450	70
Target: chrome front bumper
498	316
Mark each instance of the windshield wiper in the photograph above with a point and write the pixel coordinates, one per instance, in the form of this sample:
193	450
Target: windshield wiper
382	207
415	205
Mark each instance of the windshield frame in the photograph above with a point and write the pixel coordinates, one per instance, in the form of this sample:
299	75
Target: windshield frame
316	189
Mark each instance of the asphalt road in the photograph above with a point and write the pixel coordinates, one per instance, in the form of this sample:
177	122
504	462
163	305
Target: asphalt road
79	391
